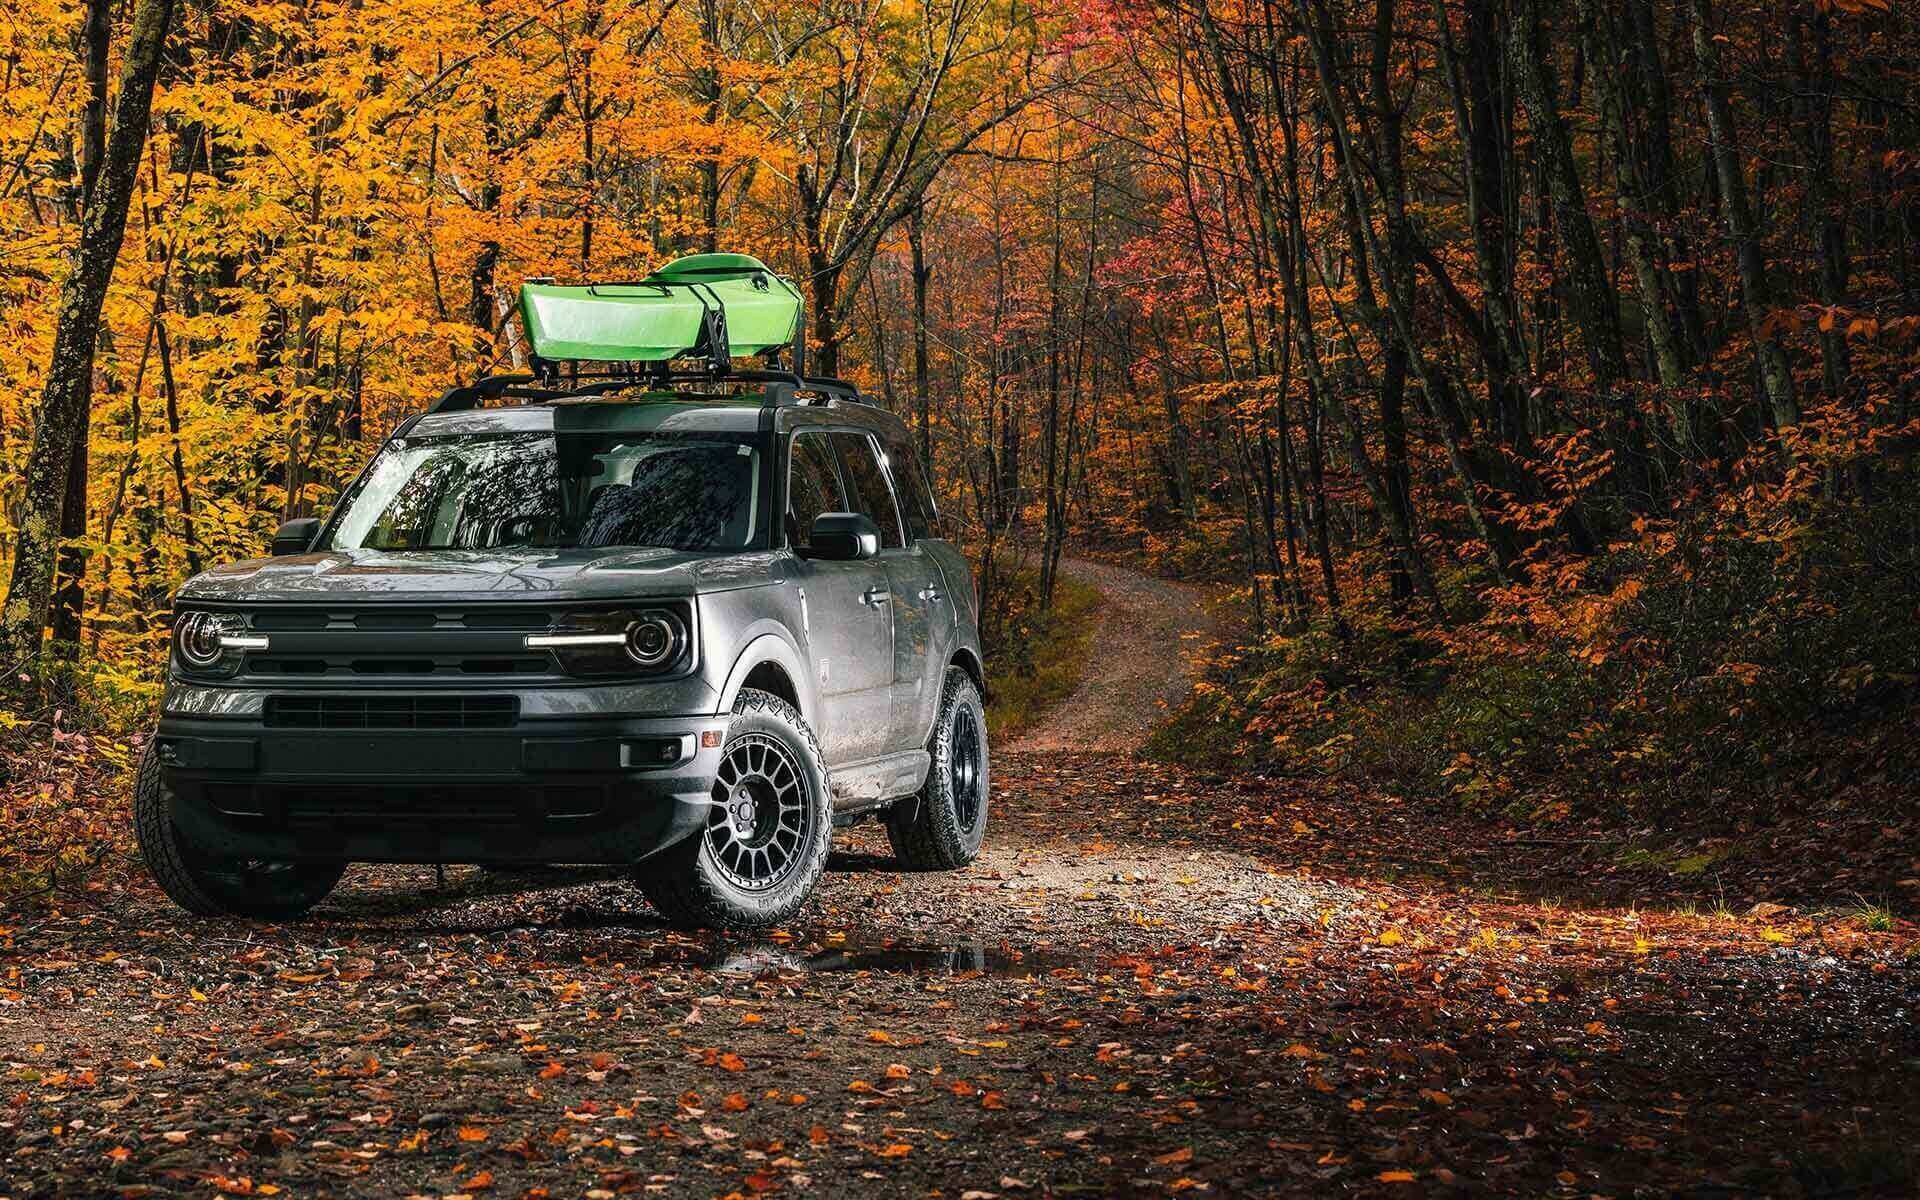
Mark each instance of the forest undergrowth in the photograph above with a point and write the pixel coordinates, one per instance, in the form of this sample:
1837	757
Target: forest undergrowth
1727	683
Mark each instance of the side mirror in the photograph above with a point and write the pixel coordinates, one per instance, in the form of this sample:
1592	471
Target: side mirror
296	536
841	537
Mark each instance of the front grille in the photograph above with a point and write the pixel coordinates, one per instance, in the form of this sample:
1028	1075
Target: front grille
401	643
382	805
392	712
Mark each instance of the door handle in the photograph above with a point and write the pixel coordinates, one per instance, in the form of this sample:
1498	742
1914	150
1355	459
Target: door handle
931	595
874	597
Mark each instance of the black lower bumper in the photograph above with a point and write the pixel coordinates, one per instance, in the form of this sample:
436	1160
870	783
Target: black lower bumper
587	791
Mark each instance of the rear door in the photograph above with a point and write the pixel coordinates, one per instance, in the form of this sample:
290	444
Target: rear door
922	620
846	612
930	582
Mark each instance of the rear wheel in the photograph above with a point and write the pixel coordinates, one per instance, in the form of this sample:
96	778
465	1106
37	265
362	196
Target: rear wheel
211	885
769	826
941	829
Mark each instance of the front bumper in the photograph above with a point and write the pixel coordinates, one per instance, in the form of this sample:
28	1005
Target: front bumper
547	790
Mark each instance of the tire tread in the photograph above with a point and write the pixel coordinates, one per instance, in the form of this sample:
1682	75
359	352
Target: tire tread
166	858
924	829
686	895
160	844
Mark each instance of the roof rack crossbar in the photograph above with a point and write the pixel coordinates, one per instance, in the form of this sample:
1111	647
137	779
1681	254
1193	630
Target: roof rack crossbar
783	387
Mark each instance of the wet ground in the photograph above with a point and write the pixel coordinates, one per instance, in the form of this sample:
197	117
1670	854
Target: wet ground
1153	982
1106	1004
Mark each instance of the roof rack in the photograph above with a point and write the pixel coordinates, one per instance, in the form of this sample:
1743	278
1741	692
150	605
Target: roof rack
782	387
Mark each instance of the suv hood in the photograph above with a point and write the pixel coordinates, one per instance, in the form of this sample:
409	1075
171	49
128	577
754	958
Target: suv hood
373	576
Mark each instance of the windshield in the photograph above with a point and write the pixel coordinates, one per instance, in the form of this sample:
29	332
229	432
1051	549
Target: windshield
683	491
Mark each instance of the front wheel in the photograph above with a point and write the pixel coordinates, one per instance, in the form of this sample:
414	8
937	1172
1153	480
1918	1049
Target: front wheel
211	885
769	827
941	829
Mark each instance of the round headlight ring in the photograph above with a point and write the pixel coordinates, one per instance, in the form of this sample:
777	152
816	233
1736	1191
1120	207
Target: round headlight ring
196	638
655	639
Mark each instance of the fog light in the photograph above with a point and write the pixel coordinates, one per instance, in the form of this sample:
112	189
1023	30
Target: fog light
641	753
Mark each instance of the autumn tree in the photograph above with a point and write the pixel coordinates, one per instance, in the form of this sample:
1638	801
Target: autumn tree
60	431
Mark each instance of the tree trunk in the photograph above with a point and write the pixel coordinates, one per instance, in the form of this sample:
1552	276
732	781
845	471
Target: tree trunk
1589	283
1811	40
49	462
487	261
706	89
1776	376
1609	56
1483	120
1589	289
923	404
70	596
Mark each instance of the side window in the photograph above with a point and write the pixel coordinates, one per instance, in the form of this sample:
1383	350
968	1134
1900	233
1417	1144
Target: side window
869	483
813	484
910	484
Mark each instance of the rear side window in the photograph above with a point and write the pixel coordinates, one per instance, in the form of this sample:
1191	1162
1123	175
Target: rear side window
813	485
910	484
869	482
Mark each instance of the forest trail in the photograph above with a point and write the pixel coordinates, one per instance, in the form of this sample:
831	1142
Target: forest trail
1150	633
1153	981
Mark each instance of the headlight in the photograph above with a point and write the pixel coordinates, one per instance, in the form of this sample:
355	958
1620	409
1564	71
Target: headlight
211	643
655	638
624	642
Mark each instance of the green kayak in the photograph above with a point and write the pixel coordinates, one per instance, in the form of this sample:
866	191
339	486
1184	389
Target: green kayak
664	315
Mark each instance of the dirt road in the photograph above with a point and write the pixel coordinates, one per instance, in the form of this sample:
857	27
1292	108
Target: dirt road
1149	635
1153	982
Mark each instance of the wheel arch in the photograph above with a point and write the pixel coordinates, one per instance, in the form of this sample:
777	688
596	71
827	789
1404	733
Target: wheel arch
968	661
771	663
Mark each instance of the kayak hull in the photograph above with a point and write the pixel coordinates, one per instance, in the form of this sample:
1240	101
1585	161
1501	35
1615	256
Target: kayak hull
663	317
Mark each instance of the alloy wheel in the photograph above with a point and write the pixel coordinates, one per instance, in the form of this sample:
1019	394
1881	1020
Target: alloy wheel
964	752
760	820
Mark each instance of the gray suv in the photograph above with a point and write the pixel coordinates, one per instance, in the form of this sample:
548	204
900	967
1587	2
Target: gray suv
685	631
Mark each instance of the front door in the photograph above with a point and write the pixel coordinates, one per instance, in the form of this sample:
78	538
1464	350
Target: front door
846	615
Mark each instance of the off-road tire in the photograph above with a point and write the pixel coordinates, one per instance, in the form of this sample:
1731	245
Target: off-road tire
929	831
688	883
207	885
